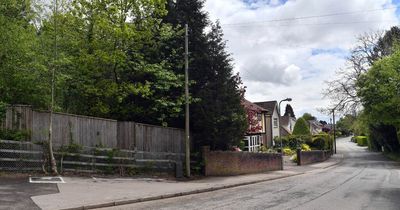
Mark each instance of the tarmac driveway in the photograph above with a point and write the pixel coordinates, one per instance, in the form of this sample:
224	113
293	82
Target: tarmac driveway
16	192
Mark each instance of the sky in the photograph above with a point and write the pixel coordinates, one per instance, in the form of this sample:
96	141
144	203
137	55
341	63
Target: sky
289	48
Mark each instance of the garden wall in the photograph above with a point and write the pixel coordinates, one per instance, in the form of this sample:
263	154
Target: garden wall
226	163
308	157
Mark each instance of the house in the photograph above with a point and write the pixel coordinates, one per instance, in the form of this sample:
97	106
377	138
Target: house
271	121
255	134
287	125
315	126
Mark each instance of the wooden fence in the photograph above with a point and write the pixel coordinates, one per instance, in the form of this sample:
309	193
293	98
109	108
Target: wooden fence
92	131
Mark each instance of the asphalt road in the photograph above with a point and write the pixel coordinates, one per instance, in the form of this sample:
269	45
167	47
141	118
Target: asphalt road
363	180
16	192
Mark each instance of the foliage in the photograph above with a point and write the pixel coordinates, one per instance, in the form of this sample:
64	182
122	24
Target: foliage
287	151
301	127
305	147
16	135
122	60
344	124
307	116
292	141
361	140
322	141
263	148
3	110
71	148
379	92
289	111
220	120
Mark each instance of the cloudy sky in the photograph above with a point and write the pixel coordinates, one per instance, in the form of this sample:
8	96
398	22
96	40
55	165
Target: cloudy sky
288	48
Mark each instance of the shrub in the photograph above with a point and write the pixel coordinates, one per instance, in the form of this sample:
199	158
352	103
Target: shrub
305	147
292	141
301	127
16	135
322	141
362	141
288	151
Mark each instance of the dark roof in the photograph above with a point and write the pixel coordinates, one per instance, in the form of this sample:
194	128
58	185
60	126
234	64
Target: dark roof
284	120
248	105
268	105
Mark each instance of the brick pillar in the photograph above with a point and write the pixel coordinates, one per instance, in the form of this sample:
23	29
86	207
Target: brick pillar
204	151
298	157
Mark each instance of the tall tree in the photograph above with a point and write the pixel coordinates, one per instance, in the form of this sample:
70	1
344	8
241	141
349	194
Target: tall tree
307	116
22	78
379	92
289	111
109	66
217	117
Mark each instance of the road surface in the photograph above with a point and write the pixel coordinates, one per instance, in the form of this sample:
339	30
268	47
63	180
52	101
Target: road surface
363	180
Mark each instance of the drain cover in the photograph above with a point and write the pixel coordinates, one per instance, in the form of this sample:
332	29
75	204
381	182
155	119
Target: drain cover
51	180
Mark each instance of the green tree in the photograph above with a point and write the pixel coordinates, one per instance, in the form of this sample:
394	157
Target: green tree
344	124
301	127
218	119
22	78
108	64
307	116
289	111
379	92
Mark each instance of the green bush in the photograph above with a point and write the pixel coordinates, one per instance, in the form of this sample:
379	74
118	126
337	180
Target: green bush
288	151
362	141
301	127
292	141
305	147
322	141
16	135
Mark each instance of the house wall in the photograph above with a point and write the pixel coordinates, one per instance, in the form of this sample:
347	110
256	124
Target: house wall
275	129
268	133
227	163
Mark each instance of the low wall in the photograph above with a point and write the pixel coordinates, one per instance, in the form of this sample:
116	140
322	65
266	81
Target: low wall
226	163
308	157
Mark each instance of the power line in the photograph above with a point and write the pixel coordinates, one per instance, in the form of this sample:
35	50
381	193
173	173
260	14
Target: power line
315	24
310	17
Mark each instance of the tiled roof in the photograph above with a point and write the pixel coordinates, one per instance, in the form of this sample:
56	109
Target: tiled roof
252	106
268	105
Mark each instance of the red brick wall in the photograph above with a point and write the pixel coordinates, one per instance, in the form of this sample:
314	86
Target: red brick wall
226	163
308	157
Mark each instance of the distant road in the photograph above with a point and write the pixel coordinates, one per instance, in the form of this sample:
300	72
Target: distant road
364	180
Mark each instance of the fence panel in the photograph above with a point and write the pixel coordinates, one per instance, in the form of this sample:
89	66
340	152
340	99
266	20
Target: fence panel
92	131
159	139
83	130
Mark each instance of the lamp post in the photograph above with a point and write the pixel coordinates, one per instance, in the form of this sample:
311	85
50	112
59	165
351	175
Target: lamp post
279	125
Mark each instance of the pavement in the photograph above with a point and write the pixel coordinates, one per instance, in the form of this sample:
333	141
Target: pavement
90	193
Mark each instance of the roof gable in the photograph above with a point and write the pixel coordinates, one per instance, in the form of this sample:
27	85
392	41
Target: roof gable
268	105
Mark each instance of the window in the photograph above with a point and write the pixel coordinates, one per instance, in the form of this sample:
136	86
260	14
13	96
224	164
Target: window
275	122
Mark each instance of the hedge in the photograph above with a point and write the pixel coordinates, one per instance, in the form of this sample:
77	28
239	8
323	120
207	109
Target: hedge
362	141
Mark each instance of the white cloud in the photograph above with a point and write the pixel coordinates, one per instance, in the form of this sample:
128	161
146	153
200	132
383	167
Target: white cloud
292	58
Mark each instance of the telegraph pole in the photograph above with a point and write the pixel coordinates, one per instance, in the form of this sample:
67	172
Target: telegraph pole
187	134
334	129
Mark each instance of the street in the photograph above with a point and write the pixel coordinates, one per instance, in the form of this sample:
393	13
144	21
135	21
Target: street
363	180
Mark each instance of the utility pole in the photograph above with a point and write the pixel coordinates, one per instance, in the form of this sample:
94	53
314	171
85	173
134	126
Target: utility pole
334	129
187	134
